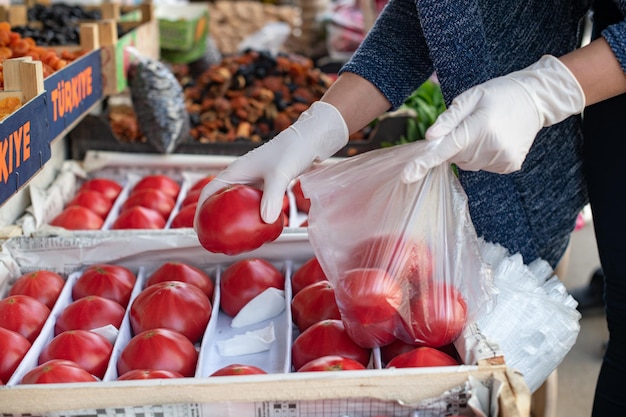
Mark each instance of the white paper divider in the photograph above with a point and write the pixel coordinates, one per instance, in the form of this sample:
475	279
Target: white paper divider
275	360
125	332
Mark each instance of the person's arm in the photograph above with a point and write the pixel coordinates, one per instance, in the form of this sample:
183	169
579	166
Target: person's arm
358	100
492	126
597	70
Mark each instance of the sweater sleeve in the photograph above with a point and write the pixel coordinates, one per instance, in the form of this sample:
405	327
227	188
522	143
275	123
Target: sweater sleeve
393	56
615	35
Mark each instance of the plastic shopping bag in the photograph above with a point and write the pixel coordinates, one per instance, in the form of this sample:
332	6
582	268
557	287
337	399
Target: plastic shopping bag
403	258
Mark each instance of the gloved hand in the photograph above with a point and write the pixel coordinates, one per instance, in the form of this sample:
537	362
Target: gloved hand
319	133
492	126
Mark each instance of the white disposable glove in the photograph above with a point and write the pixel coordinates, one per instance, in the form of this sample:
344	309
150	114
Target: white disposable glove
319	133
492	126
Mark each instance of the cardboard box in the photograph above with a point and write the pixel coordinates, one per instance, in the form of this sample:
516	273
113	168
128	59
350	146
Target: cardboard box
392	392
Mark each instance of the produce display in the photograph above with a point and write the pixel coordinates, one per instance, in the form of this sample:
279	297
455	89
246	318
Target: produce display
56	24
109	322
168	200
14	45
246	97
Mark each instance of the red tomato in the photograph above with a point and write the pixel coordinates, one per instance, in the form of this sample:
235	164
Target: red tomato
327	337
134	374
438	314
370	301
184	217
24	315
77	218
238	369
150	198
302	203
89	350
160	349
199	185
164	183
422	356
191	197
316	302
179	271
13	348
138	217
92	200
114	282
230	221
88	313
109	188
331	363
245	279
57	371
401	258
42	285
171	305
310	272
395	348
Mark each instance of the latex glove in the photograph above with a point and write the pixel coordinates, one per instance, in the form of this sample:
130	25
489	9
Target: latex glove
492	126
319	133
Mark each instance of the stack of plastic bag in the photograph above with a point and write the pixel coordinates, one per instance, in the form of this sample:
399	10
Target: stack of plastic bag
534	321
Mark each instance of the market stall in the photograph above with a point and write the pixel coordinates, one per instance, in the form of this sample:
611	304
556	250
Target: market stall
120	174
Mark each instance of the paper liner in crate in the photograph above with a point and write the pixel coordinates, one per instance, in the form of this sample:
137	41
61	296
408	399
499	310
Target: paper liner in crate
404	258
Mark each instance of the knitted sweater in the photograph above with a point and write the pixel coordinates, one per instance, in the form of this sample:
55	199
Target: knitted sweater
467	42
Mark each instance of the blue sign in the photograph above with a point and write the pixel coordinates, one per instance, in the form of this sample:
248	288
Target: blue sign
24	146
72	91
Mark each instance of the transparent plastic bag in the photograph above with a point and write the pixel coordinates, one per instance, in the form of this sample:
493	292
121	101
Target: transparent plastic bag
403	258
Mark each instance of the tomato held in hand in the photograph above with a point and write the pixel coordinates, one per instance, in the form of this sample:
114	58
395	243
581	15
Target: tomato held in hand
238	369
316	302
13	348
370	301
310	272
171	305
135	374
88	313
57	371
161	349
180	271
327	337
77	218
422	356
245	279
230	222
42	285
331	363
24	315
89	350
114	282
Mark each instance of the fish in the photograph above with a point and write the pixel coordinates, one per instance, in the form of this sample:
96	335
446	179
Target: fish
158	101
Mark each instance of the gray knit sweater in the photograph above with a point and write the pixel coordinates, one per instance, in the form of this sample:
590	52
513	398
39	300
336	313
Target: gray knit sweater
467	42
